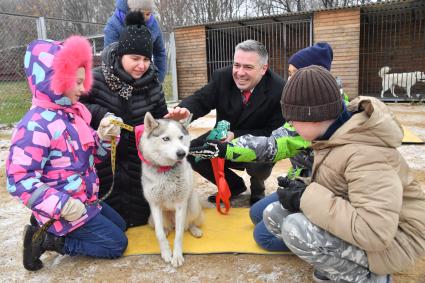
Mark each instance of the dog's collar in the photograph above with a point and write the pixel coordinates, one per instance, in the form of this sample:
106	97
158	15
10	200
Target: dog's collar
160	169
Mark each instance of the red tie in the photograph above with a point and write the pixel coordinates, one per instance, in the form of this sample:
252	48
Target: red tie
246	94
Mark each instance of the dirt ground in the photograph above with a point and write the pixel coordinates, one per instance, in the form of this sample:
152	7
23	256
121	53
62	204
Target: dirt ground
197	268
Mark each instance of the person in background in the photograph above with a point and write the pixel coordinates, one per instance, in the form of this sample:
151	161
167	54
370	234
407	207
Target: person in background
247	95
51	168
126	85
116	24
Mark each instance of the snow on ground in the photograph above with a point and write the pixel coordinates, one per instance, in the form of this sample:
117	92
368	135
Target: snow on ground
197	268
414	155
4	150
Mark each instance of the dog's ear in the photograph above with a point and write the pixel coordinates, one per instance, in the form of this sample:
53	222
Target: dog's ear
150	122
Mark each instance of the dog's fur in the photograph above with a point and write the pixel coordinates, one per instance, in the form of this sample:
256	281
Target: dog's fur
170	194
404	80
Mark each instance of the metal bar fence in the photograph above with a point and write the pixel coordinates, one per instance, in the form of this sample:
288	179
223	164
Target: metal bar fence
392	53
282	39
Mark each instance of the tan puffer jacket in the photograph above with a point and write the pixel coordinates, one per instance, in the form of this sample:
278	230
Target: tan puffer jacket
363	192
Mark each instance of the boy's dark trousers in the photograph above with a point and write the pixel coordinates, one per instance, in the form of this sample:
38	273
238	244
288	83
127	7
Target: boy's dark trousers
258	172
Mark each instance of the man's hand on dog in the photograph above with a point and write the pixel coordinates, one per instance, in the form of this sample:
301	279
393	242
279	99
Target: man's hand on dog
209	150
178	114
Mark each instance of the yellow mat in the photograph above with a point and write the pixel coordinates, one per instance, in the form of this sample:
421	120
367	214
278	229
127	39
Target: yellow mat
222	233
410	138
230	233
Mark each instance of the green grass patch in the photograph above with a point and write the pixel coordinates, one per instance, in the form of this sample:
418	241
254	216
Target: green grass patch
15	101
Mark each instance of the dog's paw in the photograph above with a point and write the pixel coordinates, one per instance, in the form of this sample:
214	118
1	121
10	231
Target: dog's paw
177	260
166	255
195	231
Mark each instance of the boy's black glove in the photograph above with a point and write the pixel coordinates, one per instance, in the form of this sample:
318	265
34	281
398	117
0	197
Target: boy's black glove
283	181
210	149
290	192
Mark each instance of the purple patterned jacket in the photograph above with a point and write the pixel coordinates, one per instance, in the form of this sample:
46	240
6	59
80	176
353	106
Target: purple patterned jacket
47	164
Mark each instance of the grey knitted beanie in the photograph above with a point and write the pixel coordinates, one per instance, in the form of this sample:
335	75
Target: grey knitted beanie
311	95
140	5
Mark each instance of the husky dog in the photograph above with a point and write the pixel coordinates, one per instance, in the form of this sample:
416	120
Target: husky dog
404	80
167	184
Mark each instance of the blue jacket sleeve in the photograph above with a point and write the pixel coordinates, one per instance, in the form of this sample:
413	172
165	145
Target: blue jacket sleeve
112	31
159	53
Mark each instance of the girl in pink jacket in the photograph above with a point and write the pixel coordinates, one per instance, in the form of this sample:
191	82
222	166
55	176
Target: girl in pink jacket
51	161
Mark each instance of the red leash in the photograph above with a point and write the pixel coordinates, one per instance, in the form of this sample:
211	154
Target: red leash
223	191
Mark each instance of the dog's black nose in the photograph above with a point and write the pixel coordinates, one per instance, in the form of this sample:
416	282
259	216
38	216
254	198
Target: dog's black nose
180	154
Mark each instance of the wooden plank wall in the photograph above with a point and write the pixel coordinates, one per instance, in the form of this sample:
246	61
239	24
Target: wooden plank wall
191	57
341	29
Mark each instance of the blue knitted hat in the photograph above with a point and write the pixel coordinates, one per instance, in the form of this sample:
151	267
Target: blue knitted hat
320	54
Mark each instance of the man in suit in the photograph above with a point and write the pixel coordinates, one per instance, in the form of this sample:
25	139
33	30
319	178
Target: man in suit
247	95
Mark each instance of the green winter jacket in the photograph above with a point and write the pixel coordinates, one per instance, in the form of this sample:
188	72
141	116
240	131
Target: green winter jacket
284	142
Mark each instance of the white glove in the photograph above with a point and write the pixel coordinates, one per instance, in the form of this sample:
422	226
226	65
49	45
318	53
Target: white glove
73	209
106	129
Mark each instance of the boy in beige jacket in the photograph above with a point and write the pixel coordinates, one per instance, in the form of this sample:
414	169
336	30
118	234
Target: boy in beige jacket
361	216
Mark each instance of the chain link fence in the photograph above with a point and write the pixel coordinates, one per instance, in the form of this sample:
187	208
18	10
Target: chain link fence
16	31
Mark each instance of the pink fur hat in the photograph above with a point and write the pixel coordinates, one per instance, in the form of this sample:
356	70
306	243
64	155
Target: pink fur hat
75	53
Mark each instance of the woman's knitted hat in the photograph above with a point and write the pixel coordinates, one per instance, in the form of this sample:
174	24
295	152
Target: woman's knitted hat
311	95
135	38
320	54
140	5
